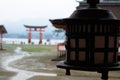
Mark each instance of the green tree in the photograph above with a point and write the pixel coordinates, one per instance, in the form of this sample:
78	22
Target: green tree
59	33
56	32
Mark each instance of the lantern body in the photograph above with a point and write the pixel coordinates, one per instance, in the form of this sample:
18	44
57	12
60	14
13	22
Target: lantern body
91	38
91	43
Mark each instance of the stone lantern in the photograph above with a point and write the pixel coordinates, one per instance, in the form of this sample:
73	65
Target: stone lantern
91	40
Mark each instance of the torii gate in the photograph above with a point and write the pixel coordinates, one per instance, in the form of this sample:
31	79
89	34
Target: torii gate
2	31
35	28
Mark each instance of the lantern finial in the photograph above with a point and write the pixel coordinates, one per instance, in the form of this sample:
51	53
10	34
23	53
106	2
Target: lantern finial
92	3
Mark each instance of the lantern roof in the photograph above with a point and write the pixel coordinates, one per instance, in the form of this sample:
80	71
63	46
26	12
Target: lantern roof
30	26
90	14
58	23
112	6
2	29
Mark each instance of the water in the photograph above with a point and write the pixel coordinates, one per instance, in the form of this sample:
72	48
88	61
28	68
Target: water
21	74
25	41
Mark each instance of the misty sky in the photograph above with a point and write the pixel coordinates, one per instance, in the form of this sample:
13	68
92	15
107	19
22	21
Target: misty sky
15	13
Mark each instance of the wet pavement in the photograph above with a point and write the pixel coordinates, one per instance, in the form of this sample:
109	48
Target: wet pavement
21	65
21	74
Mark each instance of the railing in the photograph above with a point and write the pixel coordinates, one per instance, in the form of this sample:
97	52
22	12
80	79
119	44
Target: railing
61	49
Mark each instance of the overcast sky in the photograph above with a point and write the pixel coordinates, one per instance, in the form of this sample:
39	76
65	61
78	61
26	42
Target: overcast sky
13	11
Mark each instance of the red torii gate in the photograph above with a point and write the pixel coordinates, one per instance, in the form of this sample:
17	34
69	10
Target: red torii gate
35	28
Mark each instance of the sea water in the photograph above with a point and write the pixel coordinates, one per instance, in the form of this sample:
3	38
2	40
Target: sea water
33	41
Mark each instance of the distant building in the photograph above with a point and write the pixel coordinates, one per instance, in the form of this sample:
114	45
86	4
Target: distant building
2	31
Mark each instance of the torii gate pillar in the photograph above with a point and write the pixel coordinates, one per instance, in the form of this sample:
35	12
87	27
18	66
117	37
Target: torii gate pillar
29	35
41	36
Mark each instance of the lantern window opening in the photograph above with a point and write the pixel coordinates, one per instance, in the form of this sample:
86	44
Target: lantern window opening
72	43
74	28
80	29
72	55
86	28
82	43
110	57
70	28
104	28
99	58
82	56
99	41
111	42
77	28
